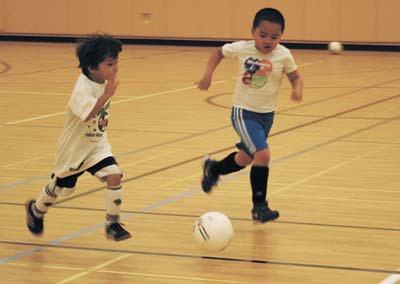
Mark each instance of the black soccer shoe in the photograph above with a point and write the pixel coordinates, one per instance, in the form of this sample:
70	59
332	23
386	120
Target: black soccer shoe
209	179
34	224
261	213
115	232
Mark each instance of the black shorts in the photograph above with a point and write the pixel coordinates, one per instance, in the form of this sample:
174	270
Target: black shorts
70	181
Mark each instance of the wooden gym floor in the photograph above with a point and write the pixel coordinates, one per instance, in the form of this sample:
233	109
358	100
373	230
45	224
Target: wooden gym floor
334	172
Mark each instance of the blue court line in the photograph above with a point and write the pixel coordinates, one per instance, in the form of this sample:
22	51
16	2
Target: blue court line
25	181
183	195
96	227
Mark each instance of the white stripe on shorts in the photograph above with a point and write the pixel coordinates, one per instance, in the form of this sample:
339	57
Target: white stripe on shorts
241	127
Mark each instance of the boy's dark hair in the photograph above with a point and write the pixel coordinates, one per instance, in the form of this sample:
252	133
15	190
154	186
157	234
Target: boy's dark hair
269	14
93	50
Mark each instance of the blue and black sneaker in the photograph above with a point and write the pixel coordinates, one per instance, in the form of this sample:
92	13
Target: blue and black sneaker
210	179
115	232
261	213
34	224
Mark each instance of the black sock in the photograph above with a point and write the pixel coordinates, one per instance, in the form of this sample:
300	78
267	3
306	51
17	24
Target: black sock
227	165
259	181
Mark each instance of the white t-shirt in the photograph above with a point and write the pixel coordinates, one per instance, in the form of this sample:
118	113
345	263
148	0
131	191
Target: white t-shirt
83	144
259	75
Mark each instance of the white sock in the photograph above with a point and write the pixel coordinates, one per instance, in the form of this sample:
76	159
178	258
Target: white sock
45	199
113	202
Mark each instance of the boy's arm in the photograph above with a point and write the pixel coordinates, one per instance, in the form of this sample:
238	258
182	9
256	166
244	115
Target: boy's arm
213	62
109	91
297	86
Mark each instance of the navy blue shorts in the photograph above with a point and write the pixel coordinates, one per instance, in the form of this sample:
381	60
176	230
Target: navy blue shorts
253	129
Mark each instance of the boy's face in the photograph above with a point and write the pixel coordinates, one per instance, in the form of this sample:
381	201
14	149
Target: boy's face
267	36
105	70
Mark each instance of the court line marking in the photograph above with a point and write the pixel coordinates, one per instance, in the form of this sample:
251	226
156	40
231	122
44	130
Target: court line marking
151	275
97	267
320	173
133	99
5	92
152	157
26	181
178	180
212	258
113	103
184	194
95	227
28	169
48	266
4	187
89	176
228	80
329	225
346	199
391	279
58	94
346	188
21	182
26	161
126	216
166	276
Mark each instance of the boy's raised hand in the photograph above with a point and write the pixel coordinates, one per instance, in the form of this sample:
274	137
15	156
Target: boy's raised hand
111	85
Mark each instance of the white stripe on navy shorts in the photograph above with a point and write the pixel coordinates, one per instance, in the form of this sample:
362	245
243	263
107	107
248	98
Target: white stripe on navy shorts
253	129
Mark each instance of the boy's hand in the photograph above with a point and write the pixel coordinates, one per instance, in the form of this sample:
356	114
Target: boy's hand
296	96
204	84
111	86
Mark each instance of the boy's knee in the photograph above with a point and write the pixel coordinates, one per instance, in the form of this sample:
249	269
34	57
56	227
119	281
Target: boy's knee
261	158
242	159
113	180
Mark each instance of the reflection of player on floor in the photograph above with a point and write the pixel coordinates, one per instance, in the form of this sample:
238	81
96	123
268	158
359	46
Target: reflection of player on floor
83	144
262	63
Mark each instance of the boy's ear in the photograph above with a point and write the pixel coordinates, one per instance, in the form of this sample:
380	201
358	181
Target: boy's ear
252	30
91	69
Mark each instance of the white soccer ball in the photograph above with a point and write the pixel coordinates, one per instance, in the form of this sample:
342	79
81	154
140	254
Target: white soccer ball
335	47
213	231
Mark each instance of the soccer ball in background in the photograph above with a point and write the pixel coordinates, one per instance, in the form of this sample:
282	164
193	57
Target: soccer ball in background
335	47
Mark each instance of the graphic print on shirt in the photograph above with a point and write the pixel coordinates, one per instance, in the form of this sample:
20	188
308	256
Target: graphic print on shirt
256	74
97	126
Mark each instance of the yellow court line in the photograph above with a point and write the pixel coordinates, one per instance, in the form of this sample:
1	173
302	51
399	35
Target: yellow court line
3	92
130	273
113	103
129	99
34	93
26	161
345	199
48	266
29	169
178	180
173	277
326	171
84	177
79	275
363	189
147	159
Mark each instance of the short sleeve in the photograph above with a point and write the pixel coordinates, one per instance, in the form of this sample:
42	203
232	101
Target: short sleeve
81	103
232	50
290	64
